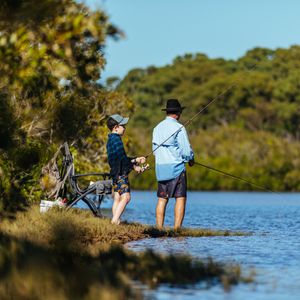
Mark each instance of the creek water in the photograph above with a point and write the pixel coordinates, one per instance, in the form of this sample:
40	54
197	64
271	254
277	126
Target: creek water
273	249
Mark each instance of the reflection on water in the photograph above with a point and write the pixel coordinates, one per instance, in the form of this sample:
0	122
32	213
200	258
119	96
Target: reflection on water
273	249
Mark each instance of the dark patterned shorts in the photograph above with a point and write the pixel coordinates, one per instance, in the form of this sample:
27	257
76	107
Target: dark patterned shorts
173	188
121	185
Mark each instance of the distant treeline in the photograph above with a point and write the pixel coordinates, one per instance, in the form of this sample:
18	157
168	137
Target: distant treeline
250	131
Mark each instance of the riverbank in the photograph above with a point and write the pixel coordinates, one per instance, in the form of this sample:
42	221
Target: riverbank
74	255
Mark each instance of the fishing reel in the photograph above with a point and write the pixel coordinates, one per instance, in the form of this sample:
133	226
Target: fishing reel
144	167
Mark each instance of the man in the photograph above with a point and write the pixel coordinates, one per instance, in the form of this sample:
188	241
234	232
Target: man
170	159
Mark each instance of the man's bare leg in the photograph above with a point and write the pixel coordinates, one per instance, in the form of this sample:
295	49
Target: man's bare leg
179	212
124	200
160	212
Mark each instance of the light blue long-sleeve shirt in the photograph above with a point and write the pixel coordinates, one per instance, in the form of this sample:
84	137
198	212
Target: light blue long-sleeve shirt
171	157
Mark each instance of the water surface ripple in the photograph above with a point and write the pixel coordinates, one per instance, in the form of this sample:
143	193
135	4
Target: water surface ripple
273	249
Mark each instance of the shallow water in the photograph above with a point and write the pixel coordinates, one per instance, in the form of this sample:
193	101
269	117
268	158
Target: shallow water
273	250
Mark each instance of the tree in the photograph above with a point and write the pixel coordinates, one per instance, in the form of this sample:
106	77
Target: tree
51	57
261	108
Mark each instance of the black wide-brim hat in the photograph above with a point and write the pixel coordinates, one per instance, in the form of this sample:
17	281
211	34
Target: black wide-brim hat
173	105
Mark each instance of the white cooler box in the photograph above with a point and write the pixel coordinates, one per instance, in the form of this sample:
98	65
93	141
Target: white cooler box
45	205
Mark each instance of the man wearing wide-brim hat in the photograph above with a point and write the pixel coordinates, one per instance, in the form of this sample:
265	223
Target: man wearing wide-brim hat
172	151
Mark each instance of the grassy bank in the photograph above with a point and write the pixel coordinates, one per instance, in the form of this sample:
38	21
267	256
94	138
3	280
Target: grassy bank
72	255
81	232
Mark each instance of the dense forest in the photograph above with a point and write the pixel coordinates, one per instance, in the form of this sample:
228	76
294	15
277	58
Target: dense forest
51	60
251	130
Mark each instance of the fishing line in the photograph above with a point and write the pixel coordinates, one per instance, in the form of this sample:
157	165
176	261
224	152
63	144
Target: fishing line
236	177
189	121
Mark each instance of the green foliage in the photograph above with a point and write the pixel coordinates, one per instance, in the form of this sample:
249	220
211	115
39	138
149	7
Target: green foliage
251	130
8	124
265	85
51	57
259	157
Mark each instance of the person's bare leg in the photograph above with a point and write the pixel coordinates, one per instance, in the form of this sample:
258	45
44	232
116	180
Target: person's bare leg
124	200
116	202
160	212
179	212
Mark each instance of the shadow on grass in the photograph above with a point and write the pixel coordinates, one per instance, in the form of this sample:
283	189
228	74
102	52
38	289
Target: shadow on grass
29	271
69	255
188	232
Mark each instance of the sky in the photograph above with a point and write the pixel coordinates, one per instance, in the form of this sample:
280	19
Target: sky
159	30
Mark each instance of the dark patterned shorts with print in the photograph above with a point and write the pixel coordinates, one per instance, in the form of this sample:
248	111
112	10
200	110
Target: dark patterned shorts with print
173	188
121	185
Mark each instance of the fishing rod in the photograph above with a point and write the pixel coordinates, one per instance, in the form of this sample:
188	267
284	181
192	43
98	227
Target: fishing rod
189	121
235	177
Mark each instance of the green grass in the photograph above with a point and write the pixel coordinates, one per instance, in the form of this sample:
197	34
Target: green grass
72	255
81	231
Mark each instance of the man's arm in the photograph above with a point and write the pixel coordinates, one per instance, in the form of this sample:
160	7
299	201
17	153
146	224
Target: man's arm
154	137
185	148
